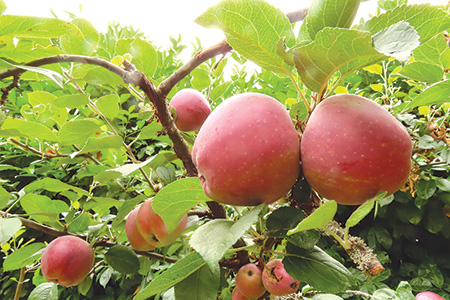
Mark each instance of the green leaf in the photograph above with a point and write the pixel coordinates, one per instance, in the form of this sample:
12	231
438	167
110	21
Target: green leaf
144	57
333	49
283	219
318	219
214	238
122	259
8	228
200	79
404	291
44	291
2	6
422	71
102	205
435	51
317	269
43	209
94	144
397	40
71	101
85	42
4	197
200	285
363	210
53	185
56	77
253	29
427	20
176	273
78	131
23	257
176	199
326	297
34	27
438	93
109	105
27	129
328	13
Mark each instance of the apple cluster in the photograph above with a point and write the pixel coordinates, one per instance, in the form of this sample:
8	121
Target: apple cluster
252	281
247	151
146	230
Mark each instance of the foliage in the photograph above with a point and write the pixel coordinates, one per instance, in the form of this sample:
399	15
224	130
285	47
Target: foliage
80	149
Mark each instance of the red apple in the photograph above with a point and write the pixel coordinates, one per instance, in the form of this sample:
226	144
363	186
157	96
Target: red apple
191	109
249	281
67	260
428	296
236	295
152	227
247	151
135	238
352	149
277	281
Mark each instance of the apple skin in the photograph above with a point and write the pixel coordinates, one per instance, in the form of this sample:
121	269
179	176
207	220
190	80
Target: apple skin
236	295
352	149
152	227
277	281
428	296
247	151
134	237
191	109
67	260
249	281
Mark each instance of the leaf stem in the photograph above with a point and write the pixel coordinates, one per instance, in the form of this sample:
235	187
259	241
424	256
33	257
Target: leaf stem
337	238
299	91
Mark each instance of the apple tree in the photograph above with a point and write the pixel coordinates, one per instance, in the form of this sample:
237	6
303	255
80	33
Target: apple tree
321	175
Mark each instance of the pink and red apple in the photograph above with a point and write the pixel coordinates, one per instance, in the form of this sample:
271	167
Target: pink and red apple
191	109
428	296
277	281
134	237
247	151
67	260
152	227
352	149
249	281
236	295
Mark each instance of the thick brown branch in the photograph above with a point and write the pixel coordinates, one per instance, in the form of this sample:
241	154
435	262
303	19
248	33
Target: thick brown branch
53	232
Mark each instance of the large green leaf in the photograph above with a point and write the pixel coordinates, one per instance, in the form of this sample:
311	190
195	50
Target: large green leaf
176	199
333	48
8	228
4	197
53	185
318	269
200	285
328	13
94	143
85	42
45	291
214	238
435	51
34	27
2	6
438	93
253	28
144	56
23	257
43	209
27	129
78	131
422	71
176	273
318	219
122	259
427	20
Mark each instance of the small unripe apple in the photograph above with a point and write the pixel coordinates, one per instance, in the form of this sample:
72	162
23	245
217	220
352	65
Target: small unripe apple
67	260
249	281
134	237
277	281
352	149
247	151
236	295
428	296
152	227
191	109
